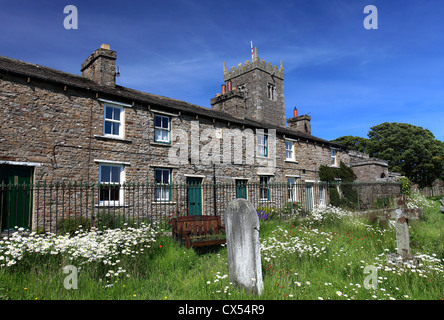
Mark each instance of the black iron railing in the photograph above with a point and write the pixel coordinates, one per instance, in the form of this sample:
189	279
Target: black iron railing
64	207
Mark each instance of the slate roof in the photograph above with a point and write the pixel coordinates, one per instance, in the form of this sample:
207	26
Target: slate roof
123	94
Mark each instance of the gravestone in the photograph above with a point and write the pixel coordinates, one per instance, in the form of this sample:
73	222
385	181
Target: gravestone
402	215
244	257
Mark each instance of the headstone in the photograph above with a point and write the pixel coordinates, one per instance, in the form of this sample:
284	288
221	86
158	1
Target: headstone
244	257
402	215
441	207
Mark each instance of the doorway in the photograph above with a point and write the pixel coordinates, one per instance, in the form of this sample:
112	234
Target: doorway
15	196
194	194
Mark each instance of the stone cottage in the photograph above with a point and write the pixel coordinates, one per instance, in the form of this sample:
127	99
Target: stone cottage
62	127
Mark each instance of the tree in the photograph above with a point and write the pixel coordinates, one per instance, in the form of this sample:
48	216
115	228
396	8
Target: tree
354	143
410	150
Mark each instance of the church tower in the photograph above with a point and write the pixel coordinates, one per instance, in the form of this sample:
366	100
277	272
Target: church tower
254	90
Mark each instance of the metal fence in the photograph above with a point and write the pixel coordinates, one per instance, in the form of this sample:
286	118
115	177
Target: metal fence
63	207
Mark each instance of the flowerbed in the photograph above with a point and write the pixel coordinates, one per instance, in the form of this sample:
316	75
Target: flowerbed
85	247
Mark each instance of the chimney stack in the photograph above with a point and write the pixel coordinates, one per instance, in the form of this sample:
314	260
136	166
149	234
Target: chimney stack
300	123
100	66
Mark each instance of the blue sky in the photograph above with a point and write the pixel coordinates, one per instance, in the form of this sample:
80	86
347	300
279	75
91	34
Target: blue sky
348	78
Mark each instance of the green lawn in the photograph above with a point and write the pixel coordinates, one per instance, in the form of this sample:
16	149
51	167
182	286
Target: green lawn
301	259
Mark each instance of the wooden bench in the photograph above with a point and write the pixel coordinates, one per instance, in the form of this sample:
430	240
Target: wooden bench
198	231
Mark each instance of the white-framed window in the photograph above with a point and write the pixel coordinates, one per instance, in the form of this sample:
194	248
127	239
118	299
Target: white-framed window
262	145
264	188
162	129
289	151
113	117
292	185
162	179
333	157
111	178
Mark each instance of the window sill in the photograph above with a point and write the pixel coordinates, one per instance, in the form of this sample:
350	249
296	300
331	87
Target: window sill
160	144
291	161
105	205
110	138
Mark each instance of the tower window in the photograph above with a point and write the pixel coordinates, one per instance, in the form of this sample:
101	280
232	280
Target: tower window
271	91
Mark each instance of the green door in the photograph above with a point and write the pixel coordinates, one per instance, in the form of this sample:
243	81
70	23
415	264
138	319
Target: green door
15	197
241	189
194	196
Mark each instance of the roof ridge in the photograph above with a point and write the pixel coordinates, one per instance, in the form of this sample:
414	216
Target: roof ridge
70	79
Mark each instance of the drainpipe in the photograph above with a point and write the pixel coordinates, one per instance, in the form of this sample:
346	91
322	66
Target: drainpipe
214	189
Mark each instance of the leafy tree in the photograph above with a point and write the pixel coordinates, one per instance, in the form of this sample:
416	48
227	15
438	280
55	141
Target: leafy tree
410	150
353	142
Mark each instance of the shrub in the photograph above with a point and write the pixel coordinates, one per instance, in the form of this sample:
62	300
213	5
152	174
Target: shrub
406	185
333	194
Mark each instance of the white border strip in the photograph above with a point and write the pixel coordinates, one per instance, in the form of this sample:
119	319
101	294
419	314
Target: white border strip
17	163
112	162
114	102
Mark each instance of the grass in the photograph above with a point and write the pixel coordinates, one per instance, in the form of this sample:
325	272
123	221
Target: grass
300	260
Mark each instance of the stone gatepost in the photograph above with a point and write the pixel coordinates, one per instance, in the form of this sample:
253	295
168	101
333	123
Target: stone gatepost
244	257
